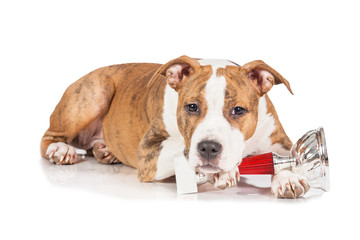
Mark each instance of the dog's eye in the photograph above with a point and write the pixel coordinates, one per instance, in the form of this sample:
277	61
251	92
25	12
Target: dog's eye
192	108
238	111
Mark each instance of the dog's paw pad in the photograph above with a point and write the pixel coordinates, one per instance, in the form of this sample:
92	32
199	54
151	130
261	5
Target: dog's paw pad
61	153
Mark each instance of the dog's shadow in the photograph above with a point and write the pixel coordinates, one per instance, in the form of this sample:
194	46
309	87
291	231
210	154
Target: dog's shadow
120	181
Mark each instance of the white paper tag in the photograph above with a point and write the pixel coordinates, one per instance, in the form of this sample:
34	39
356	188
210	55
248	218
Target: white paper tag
185	176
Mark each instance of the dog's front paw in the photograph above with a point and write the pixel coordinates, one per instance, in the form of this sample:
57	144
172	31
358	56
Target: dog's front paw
61	153
287	184
223	180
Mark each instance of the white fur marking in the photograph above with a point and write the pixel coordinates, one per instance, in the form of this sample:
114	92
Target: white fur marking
171	148
169	113
174	145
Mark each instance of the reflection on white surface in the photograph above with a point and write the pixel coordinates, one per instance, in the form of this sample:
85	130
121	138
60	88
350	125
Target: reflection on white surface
120	181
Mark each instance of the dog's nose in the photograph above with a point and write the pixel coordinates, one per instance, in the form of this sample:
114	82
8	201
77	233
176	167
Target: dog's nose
209	149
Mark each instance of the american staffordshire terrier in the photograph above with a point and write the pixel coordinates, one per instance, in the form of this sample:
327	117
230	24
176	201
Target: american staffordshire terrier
210	112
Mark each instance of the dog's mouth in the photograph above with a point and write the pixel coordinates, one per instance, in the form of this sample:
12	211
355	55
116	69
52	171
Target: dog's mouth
208	168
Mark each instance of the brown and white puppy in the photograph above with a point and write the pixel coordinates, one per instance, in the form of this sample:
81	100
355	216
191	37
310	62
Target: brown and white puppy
211	112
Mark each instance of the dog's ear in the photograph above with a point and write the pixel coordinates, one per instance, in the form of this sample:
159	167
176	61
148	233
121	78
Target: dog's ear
176	71
262	76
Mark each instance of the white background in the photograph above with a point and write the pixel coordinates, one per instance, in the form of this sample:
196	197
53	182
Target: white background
46	45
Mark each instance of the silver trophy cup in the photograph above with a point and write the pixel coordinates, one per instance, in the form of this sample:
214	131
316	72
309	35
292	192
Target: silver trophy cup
309	158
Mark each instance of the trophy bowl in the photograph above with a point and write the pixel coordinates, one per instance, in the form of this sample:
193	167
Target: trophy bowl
310	154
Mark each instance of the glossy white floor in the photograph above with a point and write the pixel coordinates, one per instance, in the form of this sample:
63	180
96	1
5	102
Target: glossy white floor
120	181
90	200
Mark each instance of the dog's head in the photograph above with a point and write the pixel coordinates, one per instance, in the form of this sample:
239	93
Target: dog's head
217	107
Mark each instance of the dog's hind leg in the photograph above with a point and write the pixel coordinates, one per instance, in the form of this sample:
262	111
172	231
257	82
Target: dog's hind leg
77	119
